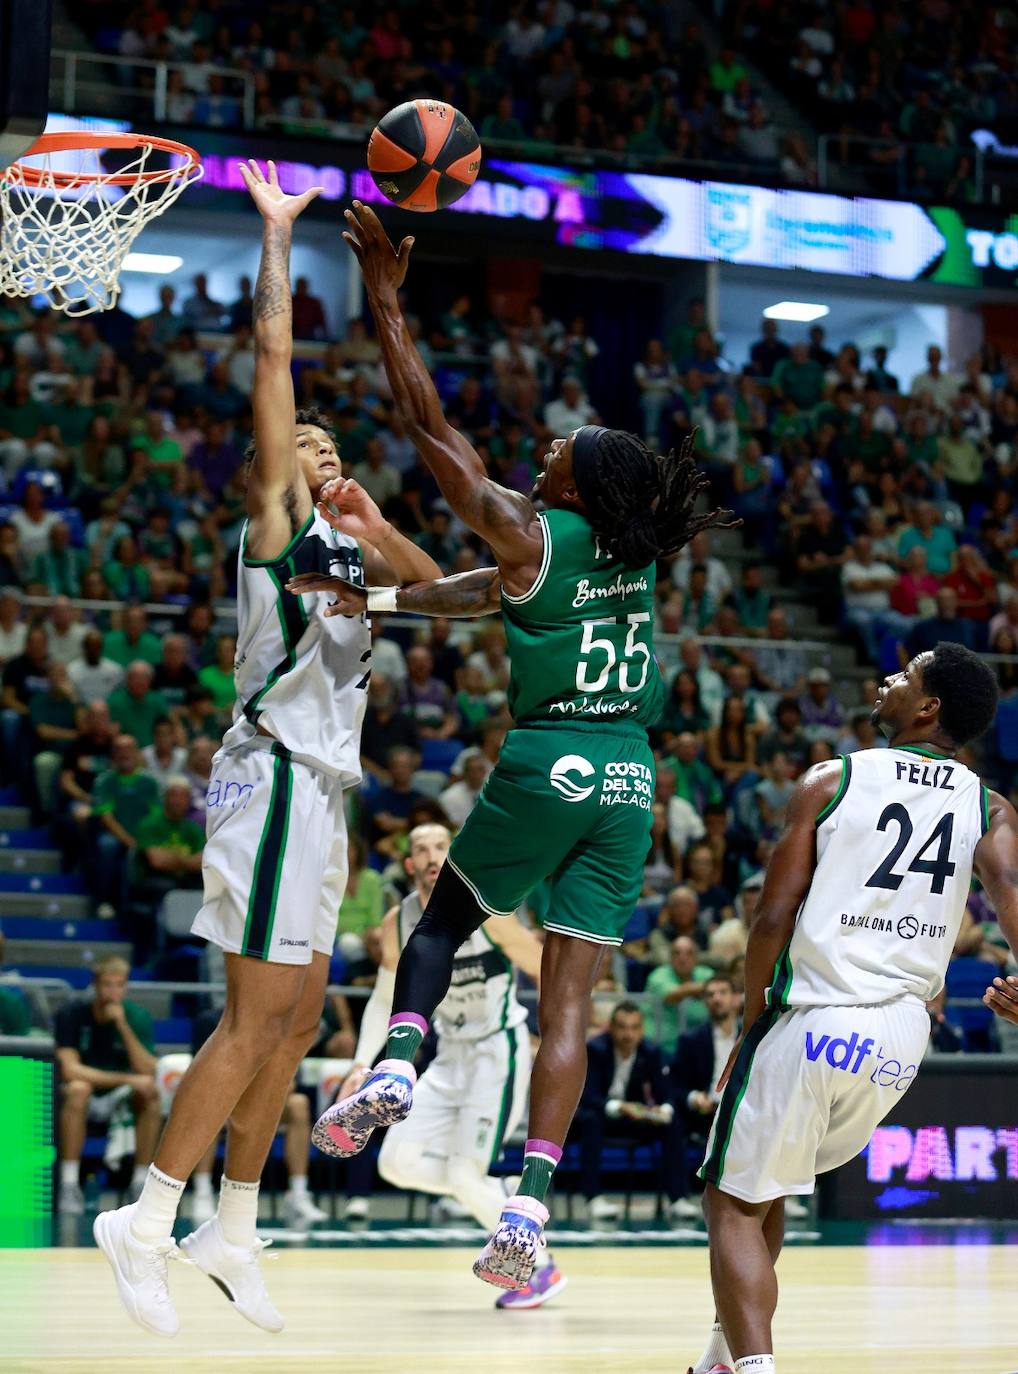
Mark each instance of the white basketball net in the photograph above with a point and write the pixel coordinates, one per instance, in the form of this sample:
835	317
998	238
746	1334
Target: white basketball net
67	240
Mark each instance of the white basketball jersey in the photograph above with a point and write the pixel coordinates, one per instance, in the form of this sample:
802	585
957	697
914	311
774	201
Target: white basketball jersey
299	675
482	995
894	865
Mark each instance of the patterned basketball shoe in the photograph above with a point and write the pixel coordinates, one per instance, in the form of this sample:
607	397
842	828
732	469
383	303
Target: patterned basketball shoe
385	1098
510	1256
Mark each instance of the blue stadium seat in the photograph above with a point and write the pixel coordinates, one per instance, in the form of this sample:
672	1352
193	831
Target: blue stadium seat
440	754
50	928
38	837
172	1030
41	882
969	978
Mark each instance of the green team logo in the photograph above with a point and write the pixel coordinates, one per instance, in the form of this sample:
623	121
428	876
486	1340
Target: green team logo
566	786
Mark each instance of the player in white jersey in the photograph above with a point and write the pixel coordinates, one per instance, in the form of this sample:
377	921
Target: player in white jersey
275	859
475	1089
860	909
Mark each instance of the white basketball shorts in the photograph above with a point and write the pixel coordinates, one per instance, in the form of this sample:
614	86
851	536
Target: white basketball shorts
275	860
809	1087
470	1099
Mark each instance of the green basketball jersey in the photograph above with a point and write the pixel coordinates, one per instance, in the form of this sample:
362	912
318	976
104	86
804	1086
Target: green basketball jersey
581	640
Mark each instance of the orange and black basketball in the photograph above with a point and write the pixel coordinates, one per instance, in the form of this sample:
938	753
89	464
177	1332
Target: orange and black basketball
424	155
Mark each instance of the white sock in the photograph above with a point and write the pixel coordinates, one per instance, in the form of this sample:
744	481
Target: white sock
299	1185
156	1209
717	1351
238	1211
70	1171
755	1364
202	1185
139	1176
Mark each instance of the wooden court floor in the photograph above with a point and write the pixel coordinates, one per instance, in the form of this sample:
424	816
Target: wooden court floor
934	1309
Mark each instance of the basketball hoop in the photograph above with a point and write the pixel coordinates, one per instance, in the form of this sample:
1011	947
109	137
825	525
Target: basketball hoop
72	206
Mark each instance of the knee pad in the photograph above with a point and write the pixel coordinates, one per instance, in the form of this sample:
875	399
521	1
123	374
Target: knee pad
452	909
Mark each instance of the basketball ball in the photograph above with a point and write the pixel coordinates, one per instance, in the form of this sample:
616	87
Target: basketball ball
424	155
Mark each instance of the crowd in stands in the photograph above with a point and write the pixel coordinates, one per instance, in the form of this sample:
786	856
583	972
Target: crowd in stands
885	504
927	75
621	77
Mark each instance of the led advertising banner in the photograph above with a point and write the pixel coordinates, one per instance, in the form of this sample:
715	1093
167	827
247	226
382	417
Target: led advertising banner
529	203
949	1148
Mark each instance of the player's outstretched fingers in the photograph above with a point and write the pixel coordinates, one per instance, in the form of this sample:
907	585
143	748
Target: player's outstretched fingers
352	241
370	223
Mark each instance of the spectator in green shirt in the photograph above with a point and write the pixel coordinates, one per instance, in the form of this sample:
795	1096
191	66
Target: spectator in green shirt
164	453
84	350
121	799
134	706
60	568
71	417
503	124
126	577
695	780
105	1051
726	72
962	462
168	853
472	700
218	676
133	640
52	716
363	904
927	533
679	987
20	416
800	377
751	602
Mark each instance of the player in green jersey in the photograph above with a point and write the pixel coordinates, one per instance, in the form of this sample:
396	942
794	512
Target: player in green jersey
570	798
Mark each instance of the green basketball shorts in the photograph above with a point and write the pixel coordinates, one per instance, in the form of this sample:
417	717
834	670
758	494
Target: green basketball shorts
571	805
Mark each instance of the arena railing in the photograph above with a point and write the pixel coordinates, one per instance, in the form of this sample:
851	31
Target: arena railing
650	1005
137	87
90	83
141	88
851	161
225	611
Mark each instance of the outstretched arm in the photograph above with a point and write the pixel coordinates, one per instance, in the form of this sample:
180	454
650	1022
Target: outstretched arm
506	519
465	596
278	502
996	865
789	874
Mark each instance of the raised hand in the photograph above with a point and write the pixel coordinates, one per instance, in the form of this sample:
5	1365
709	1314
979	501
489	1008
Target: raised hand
272	201
383	267
349	509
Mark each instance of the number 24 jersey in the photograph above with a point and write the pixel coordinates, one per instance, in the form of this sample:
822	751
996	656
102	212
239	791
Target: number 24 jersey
895	850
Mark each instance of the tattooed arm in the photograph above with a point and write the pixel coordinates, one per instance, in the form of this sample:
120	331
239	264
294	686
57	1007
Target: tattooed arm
506	519
278	500
466	596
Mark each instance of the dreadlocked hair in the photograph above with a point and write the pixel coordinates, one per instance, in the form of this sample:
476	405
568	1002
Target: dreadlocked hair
645	501
306	415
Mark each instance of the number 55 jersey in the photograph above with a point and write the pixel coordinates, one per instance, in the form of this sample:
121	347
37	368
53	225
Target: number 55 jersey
570	797
895	850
